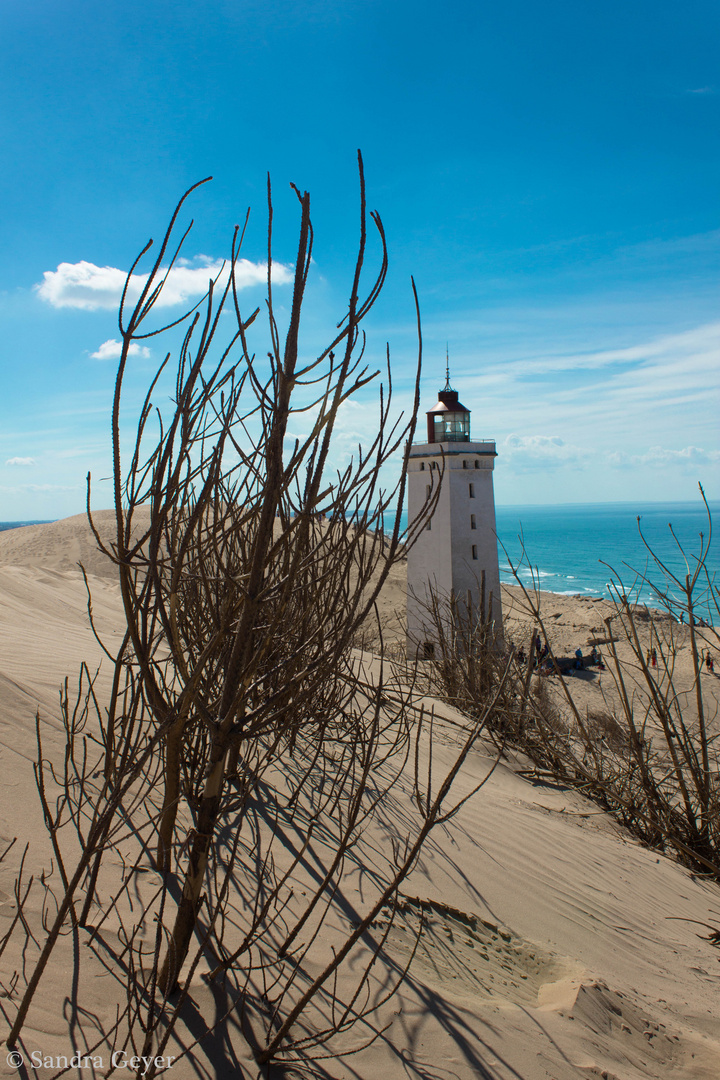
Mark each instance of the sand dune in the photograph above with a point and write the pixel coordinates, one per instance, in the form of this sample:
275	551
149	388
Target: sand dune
60	545
554	945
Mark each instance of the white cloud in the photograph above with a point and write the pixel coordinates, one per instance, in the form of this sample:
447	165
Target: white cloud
698	348
660	392
111	349
690	455
523	452
41	489
89	287
82	285
356	423
20	461
526	452
536	442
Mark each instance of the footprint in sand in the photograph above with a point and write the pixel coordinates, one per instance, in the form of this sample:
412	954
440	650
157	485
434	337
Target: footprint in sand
473	956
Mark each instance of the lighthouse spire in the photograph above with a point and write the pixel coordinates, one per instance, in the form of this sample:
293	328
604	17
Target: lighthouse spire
447	368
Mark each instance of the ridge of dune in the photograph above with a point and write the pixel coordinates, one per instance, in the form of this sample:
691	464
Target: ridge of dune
61	545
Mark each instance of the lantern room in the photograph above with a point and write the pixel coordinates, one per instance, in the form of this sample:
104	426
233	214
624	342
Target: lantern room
449	420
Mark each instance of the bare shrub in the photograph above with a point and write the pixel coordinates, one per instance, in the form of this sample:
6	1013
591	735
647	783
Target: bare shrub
248	761
604	727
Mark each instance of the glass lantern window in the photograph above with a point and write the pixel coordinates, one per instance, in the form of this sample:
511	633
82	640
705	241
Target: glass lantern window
452	427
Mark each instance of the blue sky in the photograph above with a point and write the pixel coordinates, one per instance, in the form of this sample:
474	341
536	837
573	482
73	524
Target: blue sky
550	173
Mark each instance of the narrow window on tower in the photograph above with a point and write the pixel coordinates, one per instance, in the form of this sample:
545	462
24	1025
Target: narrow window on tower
474	551
422	465
465	465
477	463
472	522
472	490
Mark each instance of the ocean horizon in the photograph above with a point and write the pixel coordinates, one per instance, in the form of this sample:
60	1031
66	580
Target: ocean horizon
21	524
586	549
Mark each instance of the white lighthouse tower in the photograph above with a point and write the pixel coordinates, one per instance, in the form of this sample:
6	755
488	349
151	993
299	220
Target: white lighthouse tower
456	554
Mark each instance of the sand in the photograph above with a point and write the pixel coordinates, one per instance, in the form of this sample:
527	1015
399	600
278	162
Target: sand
555	947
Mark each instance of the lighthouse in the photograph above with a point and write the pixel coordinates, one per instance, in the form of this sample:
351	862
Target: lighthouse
455	557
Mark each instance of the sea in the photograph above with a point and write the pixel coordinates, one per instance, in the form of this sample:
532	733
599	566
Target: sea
19	524
593	549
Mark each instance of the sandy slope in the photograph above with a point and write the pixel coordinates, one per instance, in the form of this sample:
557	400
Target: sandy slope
556	947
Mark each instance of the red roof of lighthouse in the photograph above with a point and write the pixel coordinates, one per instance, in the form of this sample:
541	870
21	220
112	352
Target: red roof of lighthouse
448	402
